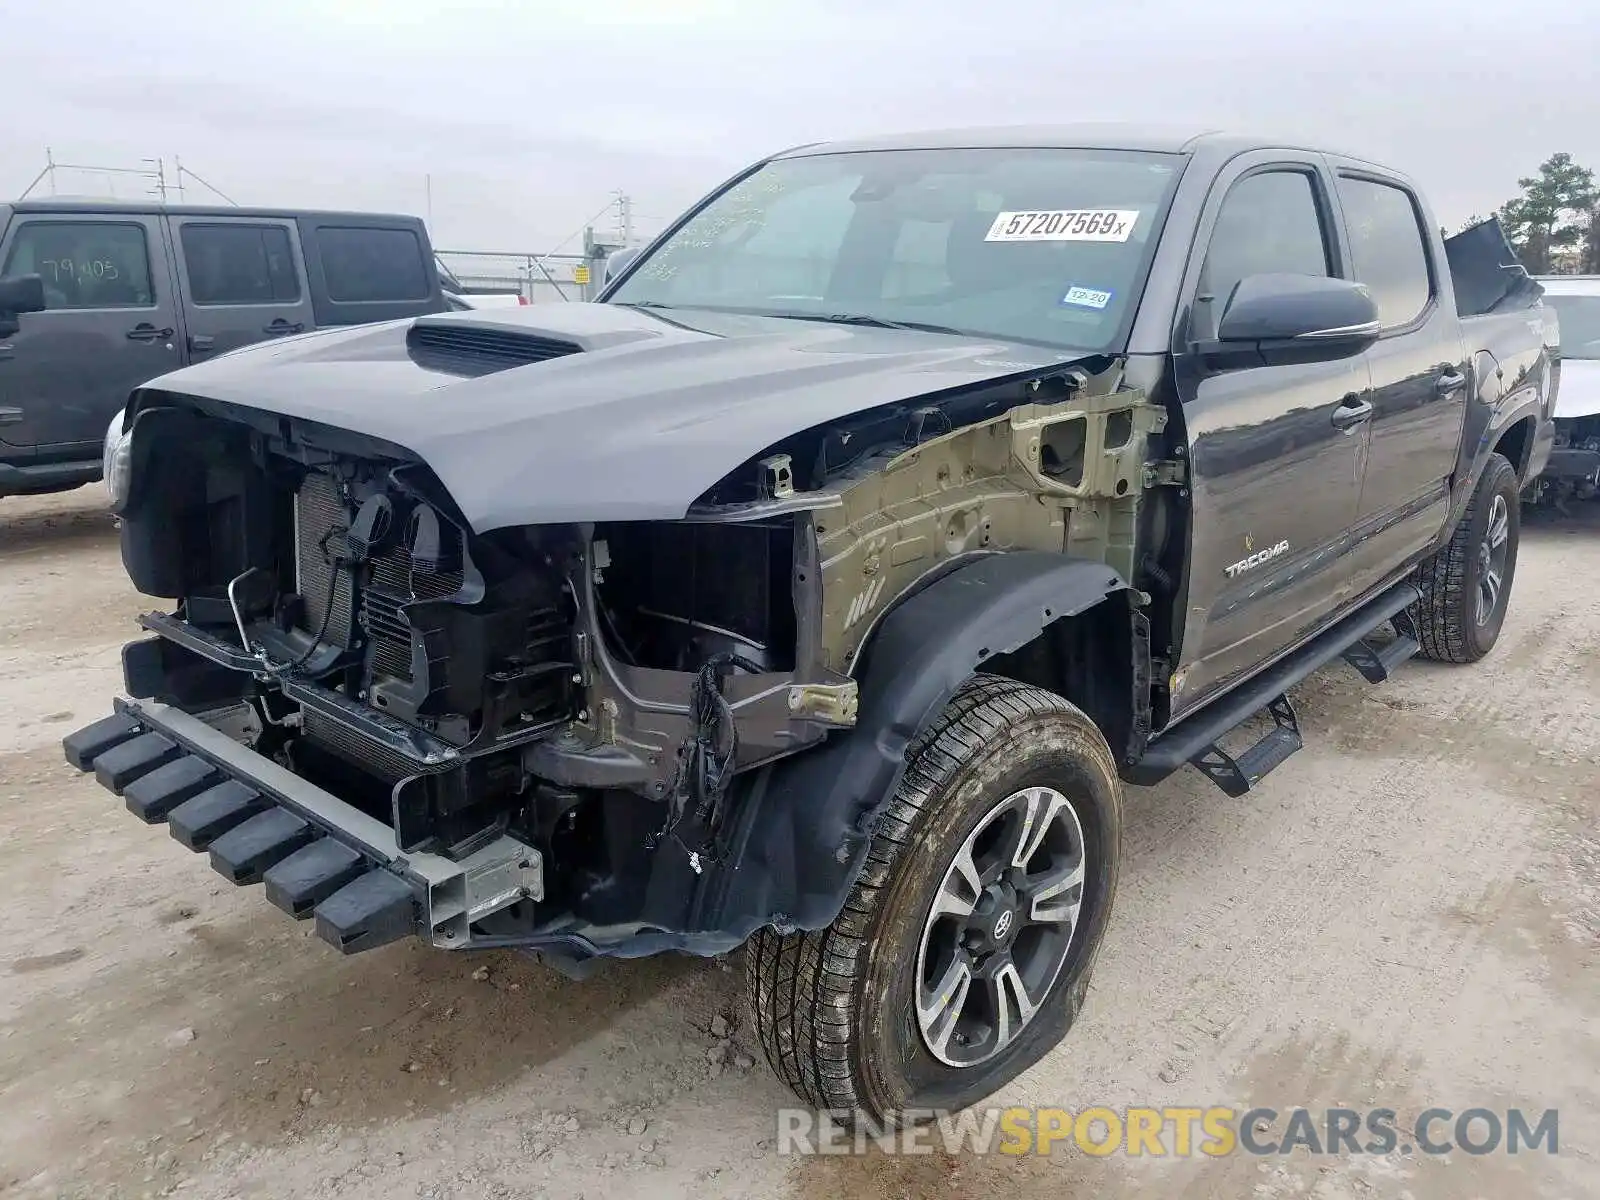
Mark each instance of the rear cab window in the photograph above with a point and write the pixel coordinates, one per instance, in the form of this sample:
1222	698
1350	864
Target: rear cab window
84	264
1388	251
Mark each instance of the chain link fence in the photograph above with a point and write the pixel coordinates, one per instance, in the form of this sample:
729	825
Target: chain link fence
537	278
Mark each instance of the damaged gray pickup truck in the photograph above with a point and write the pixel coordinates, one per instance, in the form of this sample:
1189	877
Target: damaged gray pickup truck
821	585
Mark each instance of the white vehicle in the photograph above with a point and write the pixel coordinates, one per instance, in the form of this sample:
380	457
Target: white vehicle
1574	468
459	297
461	301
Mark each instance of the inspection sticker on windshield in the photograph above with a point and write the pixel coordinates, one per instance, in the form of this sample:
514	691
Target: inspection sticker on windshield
1064	225
1083	297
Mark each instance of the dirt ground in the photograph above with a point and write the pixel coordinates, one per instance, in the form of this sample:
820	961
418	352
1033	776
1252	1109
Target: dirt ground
1406	914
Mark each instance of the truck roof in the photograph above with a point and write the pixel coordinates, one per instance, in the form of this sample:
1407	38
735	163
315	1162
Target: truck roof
56	204
1157	139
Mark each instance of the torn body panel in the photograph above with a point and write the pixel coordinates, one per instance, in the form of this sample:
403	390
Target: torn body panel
1064	477
617	696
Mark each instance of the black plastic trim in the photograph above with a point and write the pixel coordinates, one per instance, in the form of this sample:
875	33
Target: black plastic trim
1180	743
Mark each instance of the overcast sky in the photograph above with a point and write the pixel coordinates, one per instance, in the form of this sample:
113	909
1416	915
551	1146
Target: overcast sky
527	114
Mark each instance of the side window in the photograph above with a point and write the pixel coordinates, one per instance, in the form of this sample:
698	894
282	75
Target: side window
239	264
84	264
1386	248
1268	224
363	264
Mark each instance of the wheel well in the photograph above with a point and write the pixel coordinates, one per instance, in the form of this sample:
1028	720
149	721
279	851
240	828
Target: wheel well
1516	443
1091	659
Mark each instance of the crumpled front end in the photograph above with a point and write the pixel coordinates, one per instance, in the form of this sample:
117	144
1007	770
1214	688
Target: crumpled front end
523	737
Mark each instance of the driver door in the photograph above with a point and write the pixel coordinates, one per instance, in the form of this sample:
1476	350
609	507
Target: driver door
1276	460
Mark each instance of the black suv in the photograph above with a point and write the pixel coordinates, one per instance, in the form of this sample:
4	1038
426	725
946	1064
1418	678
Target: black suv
133	291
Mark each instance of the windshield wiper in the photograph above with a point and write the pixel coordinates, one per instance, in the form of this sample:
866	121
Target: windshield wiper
826	318
864	319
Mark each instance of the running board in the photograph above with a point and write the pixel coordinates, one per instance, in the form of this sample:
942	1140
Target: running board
1198	736
1237	774
1377	661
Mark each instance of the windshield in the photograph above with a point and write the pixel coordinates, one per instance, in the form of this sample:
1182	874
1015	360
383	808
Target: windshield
1046	246
1580	324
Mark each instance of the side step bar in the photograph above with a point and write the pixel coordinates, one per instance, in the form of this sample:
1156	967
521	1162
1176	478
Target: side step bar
1237	774
1197	740
1378	661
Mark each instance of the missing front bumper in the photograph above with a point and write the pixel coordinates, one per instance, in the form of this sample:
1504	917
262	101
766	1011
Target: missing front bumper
318	856
1570	464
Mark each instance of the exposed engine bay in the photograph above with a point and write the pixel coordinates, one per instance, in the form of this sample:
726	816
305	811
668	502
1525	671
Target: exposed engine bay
1573	472
597	696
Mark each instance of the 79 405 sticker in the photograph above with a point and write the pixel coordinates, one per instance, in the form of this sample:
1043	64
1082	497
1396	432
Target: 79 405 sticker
1064	225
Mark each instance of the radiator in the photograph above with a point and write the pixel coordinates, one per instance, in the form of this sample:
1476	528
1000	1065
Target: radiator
320	522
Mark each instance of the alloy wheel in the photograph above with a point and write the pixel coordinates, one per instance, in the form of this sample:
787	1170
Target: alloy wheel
1000	927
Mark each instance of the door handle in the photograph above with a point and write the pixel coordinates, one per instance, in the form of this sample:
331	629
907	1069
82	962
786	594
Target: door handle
7	352
201	342
10	416
145	332
280	327
1449	380
1351	412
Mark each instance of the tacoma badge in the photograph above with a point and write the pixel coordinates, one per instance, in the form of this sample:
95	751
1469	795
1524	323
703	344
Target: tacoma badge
1251	561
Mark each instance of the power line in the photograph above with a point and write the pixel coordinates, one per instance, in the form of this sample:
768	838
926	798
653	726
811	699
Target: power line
183	170
155	171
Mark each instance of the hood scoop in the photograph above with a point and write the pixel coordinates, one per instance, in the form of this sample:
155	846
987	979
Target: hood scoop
468	350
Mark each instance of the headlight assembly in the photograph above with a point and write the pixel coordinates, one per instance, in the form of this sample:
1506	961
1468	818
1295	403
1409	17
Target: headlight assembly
116	461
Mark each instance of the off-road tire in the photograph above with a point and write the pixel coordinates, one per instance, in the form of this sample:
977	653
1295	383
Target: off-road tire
1446	618
831	1007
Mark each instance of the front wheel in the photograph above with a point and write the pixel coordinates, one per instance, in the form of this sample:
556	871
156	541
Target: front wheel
963	952
1466	584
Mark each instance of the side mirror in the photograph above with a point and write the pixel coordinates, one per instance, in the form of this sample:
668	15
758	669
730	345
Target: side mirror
19	294
1298	318
618	261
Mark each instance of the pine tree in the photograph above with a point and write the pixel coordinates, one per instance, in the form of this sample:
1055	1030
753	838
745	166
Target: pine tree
1553	215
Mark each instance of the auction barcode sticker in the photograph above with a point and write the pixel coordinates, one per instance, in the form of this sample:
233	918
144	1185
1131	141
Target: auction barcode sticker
1064	225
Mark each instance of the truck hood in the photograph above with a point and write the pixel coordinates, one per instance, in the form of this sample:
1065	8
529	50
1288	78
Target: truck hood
655	409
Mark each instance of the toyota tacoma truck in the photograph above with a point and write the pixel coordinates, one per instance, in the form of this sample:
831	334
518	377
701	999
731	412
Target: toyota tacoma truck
822	584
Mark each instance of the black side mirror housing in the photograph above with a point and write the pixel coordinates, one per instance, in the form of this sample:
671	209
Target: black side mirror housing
22	294
19	294
1296	318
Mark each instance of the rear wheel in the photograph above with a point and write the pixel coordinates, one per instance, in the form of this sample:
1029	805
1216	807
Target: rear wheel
964	950
1466	585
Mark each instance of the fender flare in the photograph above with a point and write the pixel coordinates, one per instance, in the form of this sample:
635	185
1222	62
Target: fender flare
807	822
1493	408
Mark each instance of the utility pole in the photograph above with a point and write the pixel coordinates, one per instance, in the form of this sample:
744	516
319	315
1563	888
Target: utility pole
159	173
624	218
